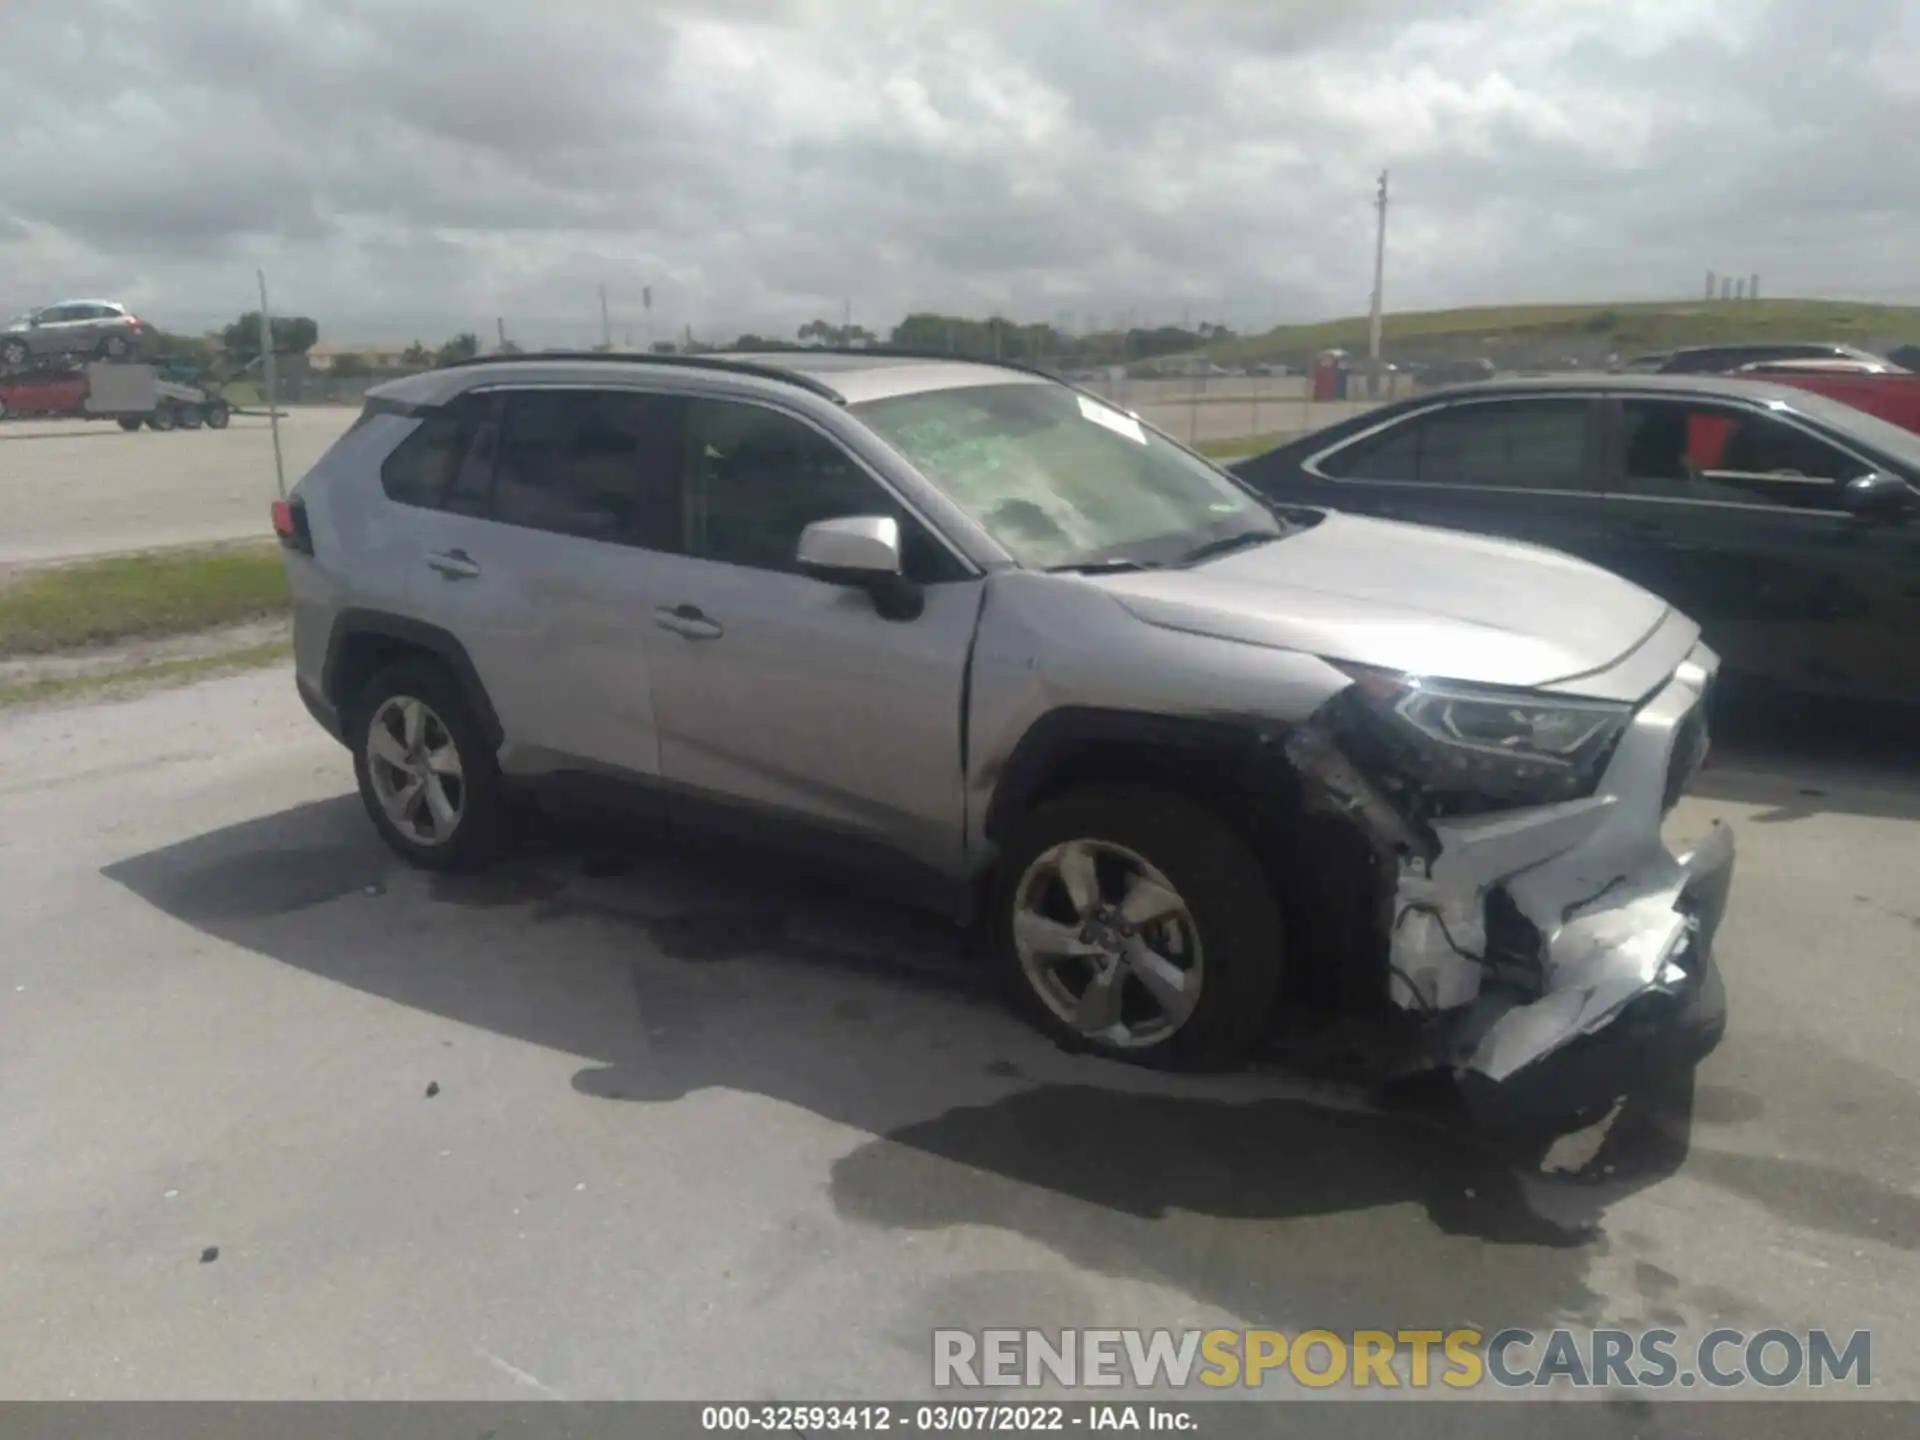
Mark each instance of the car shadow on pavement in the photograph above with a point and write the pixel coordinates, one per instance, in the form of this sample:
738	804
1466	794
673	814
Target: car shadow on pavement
1797	757
1273	1194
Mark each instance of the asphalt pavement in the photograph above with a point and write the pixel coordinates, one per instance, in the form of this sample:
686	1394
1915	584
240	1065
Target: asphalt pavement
281	1118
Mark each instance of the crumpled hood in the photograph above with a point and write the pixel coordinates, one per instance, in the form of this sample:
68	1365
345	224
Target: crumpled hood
1440	603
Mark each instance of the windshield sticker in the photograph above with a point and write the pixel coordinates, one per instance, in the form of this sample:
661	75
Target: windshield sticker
1120	424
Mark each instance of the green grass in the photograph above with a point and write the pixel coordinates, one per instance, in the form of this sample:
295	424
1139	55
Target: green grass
138	597
30	691
1625	326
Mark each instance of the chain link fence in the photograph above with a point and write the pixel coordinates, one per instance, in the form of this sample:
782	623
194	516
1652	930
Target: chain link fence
1230	415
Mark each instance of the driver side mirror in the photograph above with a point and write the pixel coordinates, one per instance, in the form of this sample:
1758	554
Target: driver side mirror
1879	496
863	551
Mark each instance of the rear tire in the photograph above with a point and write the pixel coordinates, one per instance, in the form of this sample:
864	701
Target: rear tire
188	417
1212	964
114	347
161	419
14	352
435	794
129	422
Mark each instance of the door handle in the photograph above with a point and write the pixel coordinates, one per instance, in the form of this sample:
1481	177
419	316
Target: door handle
687	621
453	565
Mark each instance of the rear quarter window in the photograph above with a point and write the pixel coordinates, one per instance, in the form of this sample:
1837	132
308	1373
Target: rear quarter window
420	466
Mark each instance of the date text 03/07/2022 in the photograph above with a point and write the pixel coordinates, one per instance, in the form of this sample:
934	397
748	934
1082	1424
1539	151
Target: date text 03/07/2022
941	1419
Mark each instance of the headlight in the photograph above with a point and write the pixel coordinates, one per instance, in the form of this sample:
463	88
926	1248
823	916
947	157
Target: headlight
1475	748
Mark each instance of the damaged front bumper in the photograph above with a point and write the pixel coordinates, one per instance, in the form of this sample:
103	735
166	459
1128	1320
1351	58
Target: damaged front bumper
1562	954
1611	1028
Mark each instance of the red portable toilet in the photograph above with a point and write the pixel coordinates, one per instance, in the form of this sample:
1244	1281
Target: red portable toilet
1326	374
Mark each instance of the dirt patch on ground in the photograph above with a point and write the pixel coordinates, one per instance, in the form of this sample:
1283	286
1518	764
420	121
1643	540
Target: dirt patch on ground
132	656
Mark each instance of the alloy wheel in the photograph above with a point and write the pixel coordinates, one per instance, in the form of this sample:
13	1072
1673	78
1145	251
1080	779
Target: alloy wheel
414	767
1107	943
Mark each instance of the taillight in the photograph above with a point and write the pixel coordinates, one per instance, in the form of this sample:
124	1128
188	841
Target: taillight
290	524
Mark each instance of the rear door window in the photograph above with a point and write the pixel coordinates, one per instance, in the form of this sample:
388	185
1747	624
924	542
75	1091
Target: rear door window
599	464
1505	444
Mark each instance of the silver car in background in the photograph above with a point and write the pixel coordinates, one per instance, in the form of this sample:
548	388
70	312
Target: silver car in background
1184	756
84	329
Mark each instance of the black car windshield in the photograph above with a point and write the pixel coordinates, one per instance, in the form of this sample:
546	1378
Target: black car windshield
1061	480
1899	445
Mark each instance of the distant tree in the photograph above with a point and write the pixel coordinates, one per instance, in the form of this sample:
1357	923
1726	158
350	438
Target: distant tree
664	347
350	365
416	356
1605	320
292	335
819	332
196	351
463	346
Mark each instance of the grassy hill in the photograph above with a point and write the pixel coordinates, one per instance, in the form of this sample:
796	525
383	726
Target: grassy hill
1580	329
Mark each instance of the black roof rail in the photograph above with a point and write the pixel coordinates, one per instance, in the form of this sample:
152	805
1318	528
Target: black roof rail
719	362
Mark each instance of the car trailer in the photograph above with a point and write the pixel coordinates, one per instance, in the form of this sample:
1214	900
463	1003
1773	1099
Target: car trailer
132	393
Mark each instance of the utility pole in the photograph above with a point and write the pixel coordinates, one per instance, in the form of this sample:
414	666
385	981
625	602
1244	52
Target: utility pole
646	303
273	383
500	329
1375	312
846	321
606	321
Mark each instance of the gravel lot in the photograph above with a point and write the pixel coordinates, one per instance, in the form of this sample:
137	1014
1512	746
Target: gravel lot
697	1133
75	488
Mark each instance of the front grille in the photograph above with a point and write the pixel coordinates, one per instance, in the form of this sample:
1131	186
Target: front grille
1689	750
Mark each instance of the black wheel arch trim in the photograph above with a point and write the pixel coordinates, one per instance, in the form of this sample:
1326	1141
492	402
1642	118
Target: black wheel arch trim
1054	741
353	624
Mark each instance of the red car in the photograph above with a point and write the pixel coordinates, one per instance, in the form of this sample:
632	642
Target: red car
47	394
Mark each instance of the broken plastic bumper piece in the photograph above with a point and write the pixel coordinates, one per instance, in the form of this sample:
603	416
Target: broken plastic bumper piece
1622	1017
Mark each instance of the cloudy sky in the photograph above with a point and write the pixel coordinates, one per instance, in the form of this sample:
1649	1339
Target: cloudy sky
407	168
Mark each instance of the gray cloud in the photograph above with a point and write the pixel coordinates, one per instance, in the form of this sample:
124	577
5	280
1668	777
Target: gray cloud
409	167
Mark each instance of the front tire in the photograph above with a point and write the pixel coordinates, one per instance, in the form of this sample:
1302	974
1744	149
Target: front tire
14	352
1138	925
217	414
129	422
428	776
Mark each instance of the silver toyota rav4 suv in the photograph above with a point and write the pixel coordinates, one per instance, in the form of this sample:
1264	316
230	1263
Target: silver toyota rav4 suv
1181	755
